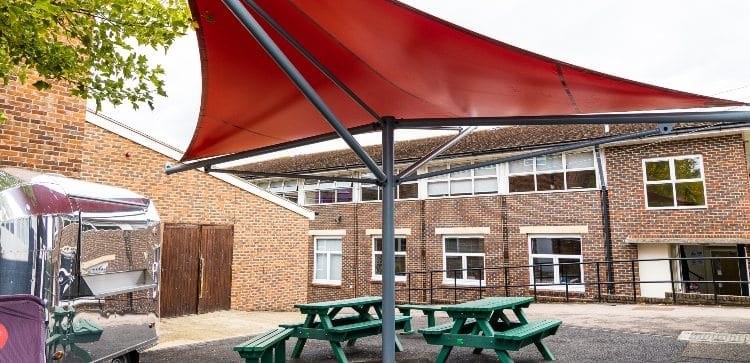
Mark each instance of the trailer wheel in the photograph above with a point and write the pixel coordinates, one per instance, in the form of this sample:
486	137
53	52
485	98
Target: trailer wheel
131	357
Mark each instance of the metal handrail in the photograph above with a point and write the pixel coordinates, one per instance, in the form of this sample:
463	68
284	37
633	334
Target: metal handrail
503	274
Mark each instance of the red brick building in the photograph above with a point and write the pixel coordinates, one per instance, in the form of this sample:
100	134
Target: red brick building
678	195
51	132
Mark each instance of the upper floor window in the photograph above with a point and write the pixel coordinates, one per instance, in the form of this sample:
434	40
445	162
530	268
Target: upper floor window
674	182
463	259
553	172
286	188
326	192
406	190
377	258
468	182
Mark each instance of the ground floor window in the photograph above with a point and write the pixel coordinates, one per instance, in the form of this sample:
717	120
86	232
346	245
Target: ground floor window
463	259
377	258
327	260
556	261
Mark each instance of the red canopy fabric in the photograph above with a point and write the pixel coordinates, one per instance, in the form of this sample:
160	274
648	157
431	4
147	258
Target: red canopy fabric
398	60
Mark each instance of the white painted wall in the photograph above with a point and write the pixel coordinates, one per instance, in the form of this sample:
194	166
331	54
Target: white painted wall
654	270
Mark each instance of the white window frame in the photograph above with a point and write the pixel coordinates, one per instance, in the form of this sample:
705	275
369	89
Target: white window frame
284	186
327	280
564	171
448	178
556	260
380	189
673	180
377	277
464	281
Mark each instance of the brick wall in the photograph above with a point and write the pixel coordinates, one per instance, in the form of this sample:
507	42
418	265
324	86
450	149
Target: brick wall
43	130
726	182
269	255
425	247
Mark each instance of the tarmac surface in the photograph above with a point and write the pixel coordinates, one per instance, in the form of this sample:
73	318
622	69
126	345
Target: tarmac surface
590	333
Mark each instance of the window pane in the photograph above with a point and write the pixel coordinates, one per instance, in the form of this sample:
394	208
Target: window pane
332	245
690	193
344	195
410	190
311	197
276	186
687	168
657	170
566	246
579	160
471	245
549	162
327	184
320	266
581	179
400	245
311	182
290	185
461	187
544	274
378	244
400	265
327	196
460	174
521	166
517	184
482	186
660	195
550	182
486	171
336	267
474	262
541	246
378	264
451	245
570	273
370	192
436	189
454	267
437	168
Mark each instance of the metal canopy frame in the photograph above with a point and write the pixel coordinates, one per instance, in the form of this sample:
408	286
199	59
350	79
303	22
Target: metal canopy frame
385	175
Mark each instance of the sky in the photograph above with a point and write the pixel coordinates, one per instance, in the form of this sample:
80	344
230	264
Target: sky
696	46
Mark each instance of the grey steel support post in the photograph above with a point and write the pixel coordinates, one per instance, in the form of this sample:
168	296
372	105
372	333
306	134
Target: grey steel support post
389	259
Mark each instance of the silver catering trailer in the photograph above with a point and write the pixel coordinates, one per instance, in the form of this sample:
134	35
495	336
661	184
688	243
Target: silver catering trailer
79	266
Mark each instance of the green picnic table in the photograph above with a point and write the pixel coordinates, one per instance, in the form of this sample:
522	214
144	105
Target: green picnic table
483	324
336	328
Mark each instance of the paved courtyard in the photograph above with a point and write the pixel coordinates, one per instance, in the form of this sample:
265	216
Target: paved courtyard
590	333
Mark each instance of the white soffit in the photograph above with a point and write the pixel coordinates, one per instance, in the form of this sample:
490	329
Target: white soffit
160	147
462	230
554	229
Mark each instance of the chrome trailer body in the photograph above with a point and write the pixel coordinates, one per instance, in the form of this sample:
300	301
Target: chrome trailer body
89	253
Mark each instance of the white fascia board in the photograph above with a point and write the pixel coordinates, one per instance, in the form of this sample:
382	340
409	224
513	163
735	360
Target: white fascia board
176	154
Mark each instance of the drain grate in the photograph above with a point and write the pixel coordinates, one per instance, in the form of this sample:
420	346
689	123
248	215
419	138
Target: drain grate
709	337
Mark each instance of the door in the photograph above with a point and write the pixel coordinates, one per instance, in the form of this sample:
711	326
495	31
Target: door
179	270
215	282
196	269
727	270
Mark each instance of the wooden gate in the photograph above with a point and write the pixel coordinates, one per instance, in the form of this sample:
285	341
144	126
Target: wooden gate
196	269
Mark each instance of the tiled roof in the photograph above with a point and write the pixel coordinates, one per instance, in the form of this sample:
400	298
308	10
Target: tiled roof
482	142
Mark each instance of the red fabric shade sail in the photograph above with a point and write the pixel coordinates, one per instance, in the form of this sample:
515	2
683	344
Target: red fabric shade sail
398	60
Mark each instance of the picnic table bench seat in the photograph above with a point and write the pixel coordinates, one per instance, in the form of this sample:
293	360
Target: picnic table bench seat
367	324
445	328
266	347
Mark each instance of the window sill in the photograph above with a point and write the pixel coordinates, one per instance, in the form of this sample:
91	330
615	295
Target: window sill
380	281
560	288
335	285
465	283
698	207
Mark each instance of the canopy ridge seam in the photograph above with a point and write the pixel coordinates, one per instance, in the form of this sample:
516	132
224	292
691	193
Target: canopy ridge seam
564	84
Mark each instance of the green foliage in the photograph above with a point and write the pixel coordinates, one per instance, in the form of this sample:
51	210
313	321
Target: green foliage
94	45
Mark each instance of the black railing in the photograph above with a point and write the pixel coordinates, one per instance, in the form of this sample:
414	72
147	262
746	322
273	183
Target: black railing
449	285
